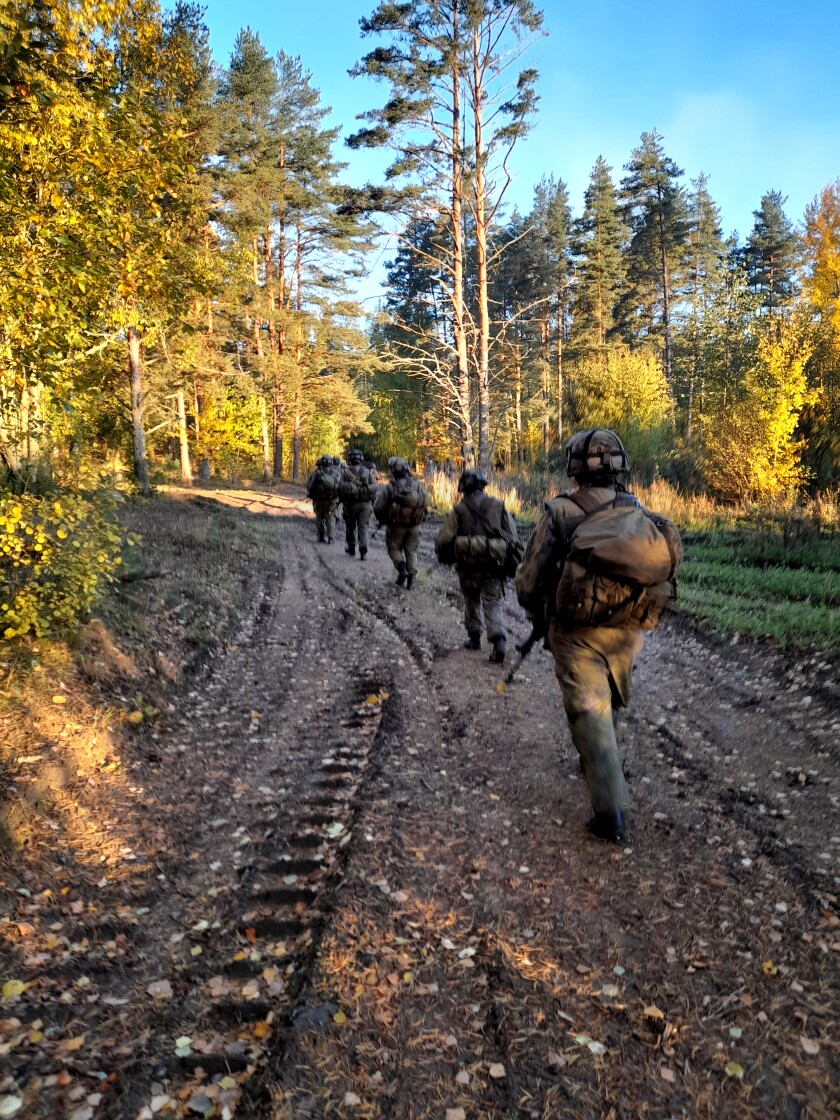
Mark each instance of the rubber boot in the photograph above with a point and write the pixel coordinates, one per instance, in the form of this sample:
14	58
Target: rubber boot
497	654
473	640
402	574
350	550
409	581
609	826
363	554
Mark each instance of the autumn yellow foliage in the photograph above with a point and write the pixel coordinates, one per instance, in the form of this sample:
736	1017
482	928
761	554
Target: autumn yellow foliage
56	554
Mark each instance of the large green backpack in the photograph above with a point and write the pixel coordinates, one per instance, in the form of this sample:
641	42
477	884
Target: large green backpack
354	488
621	564
324	485
408	503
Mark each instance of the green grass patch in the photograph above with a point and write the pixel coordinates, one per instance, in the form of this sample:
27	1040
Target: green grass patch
749	580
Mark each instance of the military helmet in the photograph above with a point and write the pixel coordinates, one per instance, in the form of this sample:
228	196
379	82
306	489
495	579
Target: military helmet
399	468
597	451
324	461
354	455
471	480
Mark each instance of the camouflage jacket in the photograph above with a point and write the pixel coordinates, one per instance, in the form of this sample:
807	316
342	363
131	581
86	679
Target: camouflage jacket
403	503
539	573
480	518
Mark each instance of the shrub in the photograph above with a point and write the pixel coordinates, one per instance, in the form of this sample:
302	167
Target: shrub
56	553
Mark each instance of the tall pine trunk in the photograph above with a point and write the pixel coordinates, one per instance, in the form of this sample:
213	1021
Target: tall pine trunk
279	418
459	327
266	444
480	200
138	435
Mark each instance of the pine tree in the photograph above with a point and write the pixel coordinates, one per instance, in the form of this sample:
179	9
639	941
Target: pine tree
655	210
446	66
599	264
771	254
706	269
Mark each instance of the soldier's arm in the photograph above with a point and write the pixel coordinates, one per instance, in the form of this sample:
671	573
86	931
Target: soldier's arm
445	540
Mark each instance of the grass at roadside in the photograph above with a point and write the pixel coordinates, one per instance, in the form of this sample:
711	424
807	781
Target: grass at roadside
748	580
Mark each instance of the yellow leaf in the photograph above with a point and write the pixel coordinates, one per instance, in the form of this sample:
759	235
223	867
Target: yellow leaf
13	988
134	717
373	700
58	699
769	969
340	1018
500	687
75	1043
261	1030
653	1012
734	1070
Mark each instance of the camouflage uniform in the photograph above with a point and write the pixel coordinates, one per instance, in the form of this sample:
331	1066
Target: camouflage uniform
357	512
324	508
594	664
482	585
402	533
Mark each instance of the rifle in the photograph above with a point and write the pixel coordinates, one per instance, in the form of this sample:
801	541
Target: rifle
524	648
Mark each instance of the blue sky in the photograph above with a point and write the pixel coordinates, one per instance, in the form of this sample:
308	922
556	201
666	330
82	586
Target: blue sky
747	92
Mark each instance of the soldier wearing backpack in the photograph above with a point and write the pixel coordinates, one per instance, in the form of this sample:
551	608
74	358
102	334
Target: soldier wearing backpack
599	571
401	506
479	538
357	491
322	488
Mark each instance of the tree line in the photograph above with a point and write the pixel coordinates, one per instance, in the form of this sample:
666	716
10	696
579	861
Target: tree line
179	250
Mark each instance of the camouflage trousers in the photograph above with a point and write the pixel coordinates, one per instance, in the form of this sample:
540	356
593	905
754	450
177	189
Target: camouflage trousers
402	545
487	592
594	666
356	521
324	519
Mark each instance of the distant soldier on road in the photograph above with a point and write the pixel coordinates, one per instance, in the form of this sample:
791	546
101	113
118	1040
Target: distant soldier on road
401	506
322	488
479	538
357	491
599	571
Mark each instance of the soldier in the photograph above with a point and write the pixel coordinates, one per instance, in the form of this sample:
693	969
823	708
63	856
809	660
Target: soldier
595	624
357	491
479	537
401	506
322	488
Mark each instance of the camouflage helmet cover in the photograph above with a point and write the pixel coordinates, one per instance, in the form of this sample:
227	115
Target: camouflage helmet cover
471	480
354	455
399	468
324	461
595	451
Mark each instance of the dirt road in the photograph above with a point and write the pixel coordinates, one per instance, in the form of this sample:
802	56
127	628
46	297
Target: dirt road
355	880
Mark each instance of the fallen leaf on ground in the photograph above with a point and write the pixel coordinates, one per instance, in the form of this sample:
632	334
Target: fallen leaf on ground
351	1100
734	1070
653	1012
13	988
455	1114
160	989
10	1106
497	1071
809	1045
667	1074
462	1077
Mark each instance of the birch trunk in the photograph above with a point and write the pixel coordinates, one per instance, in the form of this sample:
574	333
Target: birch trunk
138	435
186	469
